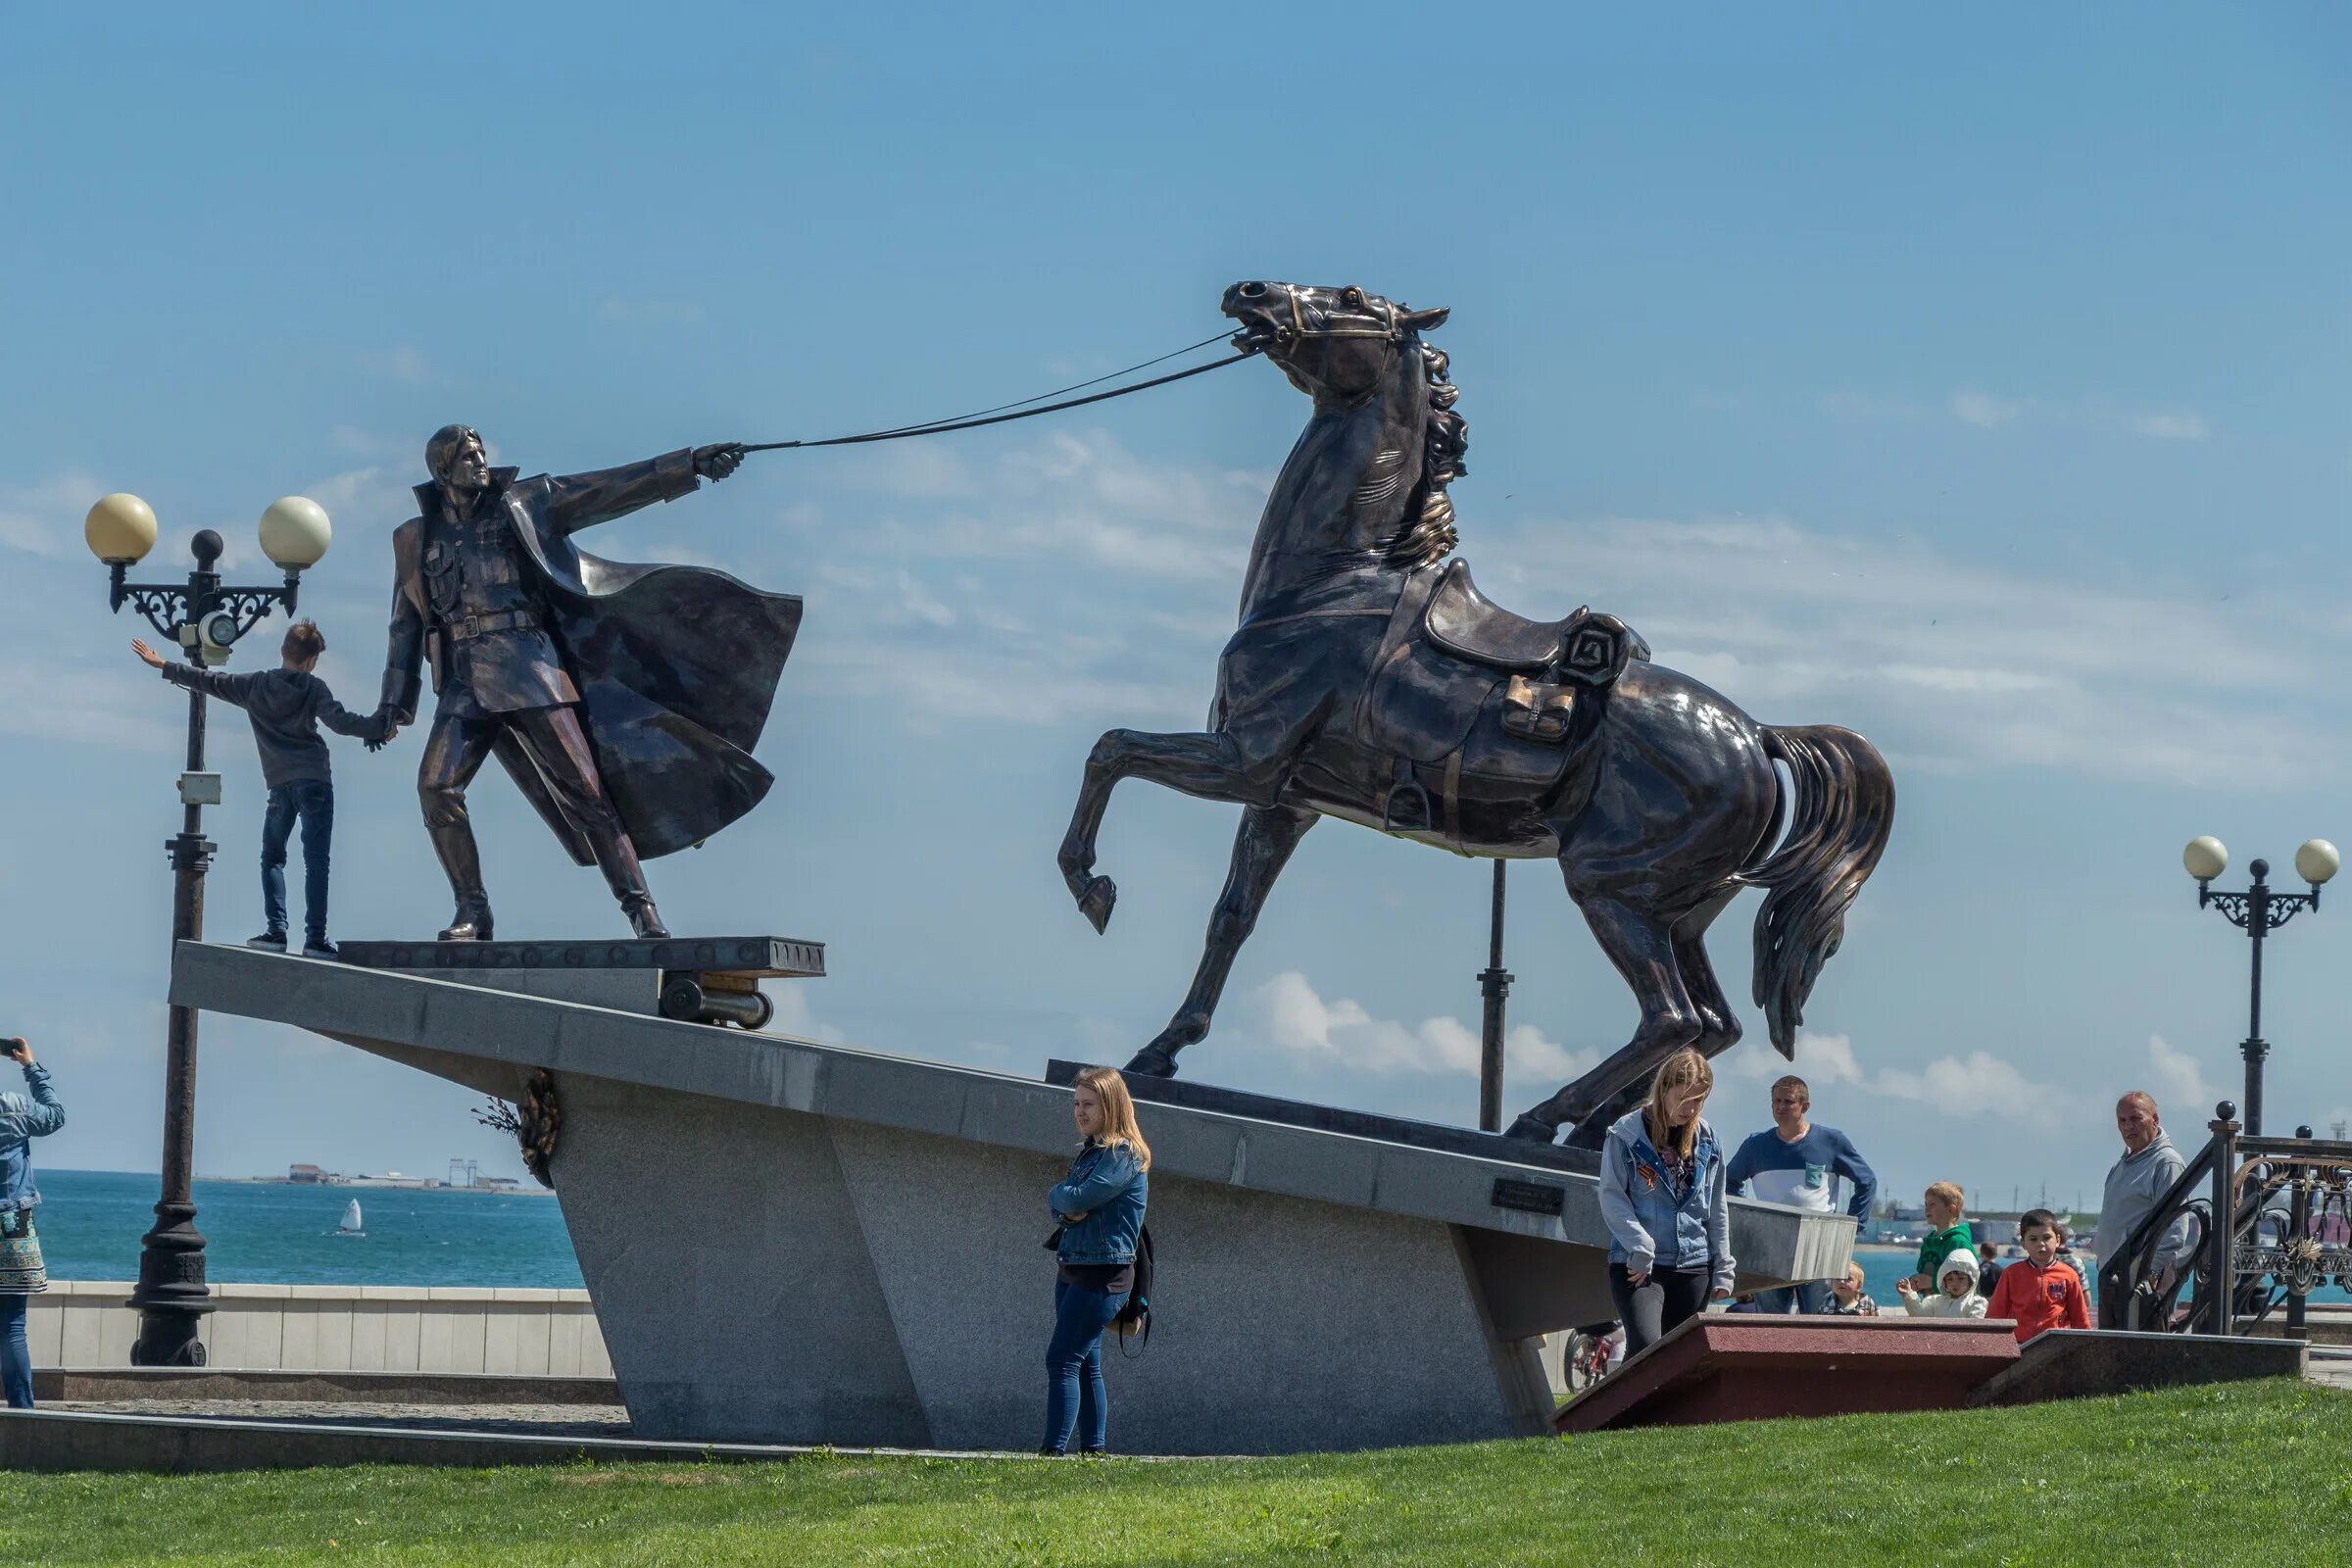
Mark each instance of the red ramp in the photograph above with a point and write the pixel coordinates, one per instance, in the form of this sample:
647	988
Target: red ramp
1742	1366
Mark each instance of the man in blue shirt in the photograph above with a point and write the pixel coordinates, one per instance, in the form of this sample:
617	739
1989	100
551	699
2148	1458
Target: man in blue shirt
1798	1163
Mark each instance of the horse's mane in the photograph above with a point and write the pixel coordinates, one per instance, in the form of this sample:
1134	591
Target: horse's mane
1428	537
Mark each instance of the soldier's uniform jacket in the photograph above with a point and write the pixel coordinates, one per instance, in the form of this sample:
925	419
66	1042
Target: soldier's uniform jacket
488	631
673	667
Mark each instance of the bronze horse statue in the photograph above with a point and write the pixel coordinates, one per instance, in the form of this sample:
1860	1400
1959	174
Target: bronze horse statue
1368	680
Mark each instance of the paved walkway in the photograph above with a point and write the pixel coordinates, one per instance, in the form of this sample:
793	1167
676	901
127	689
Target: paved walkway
2335	1371
523	1420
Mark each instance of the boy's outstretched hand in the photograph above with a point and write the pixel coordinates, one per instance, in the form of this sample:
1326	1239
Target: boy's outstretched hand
147	655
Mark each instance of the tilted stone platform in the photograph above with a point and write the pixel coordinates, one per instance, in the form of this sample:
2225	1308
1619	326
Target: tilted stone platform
789	1242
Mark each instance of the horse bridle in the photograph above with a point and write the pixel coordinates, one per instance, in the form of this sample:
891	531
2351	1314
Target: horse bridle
1298	329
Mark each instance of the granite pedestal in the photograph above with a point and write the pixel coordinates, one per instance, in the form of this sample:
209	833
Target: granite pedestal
2086	1363
790	1241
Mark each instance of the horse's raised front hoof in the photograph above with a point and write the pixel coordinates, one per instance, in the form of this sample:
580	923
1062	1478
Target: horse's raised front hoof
1097	902
1532	1127
1153	1062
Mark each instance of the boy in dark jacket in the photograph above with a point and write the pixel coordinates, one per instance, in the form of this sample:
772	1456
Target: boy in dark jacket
286	705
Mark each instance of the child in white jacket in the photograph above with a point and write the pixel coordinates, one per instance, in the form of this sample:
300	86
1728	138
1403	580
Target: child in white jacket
1956	1294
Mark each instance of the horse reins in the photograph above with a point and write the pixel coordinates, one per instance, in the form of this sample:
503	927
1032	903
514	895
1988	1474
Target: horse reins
984	417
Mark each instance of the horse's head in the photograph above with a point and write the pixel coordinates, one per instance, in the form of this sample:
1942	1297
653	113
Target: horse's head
1331	342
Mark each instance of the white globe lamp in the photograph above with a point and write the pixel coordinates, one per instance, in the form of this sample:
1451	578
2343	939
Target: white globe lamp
295	533
2206	858
119	529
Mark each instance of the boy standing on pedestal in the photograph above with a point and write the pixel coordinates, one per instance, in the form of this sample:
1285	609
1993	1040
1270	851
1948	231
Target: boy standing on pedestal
286	705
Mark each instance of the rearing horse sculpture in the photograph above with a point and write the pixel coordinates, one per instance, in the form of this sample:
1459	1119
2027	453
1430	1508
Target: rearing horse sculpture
1368	680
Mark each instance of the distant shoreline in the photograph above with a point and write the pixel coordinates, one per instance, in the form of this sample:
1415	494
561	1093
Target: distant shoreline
383	1184
372	1184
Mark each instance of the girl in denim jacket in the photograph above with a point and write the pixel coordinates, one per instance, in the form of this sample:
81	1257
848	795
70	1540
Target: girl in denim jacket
1662	1195
21	1276
1099	1206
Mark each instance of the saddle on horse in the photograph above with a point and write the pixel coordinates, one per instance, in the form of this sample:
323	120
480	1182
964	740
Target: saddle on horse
1482	702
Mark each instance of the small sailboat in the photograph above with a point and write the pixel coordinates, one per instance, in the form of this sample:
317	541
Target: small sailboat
351	1220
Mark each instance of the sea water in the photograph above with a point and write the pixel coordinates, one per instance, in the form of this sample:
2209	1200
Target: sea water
272	1233
275	1233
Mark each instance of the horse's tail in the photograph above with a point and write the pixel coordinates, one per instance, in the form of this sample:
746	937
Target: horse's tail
1843	812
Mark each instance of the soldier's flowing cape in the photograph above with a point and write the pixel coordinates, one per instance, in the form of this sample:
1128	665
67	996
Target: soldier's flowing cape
676	665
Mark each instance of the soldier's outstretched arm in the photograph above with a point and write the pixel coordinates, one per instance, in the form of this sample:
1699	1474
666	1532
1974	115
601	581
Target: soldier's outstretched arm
576	501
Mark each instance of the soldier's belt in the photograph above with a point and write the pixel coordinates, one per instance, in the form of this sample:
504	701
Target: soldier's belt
466	627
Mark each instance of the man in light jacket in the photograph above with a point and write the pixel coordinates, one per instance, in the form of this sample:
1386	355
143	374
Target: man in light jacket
2135	1185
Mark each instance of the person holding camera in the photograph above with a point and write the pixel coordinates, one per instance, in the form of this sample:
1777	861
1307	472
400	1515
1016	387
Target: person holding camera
1099	1208
21	1274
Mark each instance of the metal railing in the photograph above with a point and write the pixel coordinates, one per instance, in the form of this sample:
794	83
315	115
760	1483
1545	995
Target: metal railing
2288	1207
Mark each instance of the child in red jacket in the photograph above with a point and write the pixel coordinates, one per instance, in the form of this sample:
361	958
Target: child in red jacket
2040	1293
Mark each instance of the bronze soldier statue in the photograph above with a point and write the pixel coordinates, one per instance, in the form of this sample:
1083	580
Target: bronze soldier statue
624	700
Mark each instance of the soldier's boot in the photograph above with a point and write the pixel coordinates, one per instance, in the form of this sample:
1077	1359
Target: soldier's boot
617	856
453	842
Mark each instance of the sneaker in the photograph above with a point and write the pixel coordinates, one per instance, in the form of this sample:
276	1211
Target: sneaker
320	948
268	942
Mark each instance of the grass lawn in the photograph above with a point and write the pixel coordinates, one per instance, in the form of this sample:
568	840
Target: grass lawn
2251	1473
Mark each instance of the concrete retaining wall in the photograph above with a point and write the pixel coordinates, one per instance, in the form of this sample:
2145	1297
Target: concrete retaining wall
337	1328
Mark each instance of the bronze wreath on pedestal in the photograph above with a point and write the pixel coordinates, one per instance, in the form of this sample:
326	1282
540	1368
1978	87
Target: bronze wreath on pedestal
536	1123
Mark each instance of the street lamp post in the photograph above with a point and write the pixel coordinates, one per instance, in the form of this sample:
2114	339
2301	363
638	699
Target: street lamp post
2258	912
1495	987
204	619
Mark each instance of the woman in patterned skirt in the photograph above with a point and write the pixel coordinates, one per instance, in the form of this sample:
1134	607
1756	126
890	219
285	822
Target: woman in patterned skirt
21	1276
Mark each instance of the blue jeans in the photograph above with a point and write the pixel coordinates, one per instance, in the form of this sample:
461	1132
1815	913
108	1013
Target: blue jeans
1810	1298
314	801
16	1361
1074	1389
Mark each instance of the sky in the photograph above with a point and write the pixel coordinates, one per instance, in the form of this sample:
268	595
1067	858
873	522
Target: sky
1978	381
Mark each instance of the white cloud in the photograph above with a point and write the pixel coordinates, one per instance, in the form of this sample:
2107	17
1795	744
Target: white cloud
92	707
1085	584
1989	410
45	519
403	363
365	498
1081	499
1985	411
793	1016
920	603
1978	1084
2176	426
1821	1061
2179	1082
1949	666
1341	1033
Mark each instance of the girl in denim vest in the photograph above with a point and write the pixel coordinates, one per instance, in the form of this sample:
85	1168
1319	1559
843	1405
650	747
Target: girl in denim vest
21	1276
1662	1194
1099	1206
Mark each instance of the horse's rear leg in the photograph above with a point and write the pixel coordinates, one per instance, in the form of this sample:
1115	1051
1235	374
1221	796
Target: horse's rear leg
1718	1022
1262	847
1641	947
1208	765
